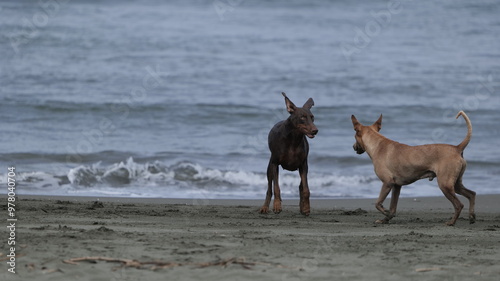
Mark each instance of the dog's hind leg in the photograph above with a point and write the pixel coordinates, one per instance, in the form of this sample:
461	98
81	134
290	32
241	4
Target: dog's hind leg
274	171
469	194
269	193
384	191
447	186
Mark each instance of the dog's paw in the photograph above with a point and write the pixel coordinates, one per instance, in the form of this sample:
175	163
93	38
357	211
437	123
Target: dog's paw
472	218
305	208
264	210
277	207
383	221
450	223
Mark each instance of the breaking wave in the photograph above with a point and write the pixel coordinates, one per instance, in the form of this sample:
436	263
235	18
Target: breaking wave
183	179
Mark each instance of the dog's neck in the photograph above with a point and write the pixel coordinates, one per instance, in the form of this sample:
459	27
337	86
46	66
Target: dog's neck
293	133
374	141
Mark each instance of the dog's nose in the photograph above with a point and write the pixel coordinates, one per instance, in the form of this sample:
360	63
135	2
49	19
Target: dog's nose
314	132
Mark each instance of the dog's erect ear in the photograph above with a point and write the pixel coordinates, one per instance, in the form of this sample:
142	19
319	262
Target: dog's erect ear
290	107
309	103
378	124
355	122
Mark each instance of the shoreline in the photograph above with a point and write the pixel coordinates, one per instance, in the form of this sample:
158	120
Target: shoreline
489	203
106	238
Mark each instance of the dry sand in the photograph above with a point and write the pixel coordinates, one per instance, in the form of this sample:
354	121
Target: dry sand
165	239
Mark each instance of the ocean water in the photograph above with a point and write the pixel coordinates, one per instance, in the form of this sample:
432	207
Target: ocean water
175	98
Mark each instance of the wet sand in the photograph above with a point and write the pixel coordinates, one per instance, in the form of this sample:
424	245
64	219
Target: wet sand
173	239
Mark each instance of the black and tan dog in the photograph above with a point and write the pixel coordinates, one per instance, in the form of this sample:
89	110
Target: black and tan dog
289	148
397	164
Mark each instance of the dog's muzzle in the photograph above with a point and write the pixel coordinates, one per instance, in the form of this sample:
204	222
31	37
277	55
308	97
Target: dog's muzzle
358	148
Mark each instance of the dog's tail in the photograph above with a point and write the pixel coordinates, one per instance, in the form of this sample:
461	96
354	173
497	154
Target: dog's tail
466	141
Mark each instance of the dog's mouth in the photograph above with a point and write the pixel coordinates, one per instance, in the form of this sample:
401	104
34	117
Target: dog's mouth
312	134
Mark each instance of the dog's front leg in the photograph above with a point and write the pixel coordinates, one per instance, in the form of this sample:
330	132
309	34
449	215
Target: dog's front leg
274	171
384	191
396	190
305	207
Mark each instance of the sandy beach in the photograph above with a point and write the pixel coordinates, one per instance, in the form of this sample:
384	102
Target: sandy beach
84	238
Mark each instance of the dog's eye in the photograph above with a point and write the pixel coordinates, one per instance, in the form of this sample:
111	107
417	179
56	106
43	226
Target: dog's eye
312	118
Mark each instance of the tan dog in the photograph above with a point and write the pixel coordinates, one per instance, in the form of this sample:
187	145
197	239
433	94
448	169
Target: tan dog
397	164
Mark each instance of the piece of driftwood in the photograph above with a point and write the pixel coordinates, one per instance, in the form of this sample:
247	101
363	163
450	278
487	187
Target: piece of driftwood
8	258
154	265
426	269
